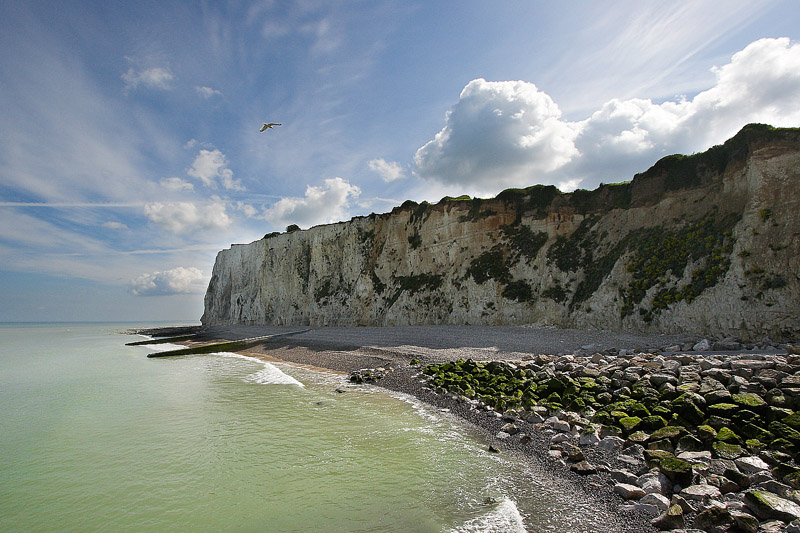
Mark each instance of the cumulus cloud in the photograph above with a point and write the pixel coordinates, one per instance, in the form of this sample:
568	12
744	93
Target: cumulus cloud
320	205
151	78
176	184
502	134
180	217
499	133
388	170
210	166
179	280
207	92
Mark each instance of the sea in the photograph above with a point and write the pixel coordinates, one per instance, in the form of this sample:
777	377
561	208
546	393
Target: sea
97	437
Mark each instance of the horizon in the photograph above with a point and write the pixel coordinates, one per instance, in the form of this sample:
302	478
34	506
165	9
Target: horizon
132	152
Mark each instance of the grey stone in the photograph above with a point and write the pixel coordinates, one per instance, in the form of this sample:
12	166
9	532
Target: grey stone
701	492
766	505
623	476
751	464
611	443
744	521
702	346
670	520
629	492
659	500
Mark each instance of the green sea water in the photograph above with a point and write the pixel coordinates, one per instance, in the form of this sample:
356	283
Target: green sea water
96	437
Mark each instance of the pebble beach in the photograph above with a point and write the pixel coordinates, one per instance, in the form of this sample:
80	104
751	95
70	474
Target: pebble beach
656	473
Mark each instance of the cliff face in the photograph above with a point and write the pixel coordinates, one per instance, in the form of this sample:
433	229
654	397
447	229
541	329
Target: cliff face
708	243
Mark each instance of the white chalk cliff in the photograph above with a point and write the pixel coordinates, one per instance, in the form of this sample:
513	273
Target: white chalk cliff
708	243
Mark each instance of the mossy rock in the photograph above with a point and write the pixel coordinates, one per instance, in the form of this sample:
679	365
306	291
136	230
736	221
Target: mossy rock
752	431
668	432
723	409
755	446
639	437
604	397
638	409
793	479
724	450
604	418
785	432
629	423
793	421
706	433
751	401
717	422
781	445
726	434
743	416
688	411
653	422
677	470
618	415
661	410
689	443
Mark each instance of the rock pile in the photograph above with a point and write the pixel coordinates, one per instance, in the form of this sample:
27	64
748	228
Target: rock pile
701	440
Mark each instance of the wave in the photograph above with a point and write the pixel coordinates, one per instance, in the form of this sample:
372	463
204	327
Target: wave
504	518
269	375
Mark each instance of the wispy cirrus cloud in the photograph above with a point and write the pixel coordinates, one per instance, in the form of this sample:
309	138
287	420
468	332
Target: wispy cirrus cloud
150	78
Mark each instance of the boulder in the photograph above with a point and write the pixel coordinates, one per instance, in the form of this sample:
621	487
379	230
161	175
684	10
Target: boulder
584	468
677	470
714	519
629	492
701	493
671	519
659	500
766	505
751	464
745	522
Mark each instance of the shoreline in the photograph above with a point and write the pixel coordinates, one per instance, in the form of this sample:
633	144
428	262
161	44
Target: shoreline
391	351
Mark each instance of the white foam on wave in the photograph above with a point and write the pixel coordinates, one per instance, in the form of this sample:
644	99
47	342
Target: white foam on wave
504	518
163	347
269	375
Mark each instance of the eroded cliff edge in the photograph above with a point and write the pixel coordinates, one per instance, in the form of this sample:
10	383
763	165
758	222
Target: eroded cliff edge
708	243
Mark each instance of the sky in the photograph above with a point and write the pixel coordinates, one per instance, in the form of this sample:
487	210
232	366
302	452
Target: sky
130	151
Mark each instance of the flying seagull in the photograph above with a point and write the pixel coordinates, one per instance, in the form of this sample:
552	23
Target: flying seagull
268	126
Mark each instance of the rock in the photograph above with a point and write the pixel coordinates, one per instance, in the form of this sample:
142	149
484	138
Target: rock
703	457
659	500
793	527
746	522
766	505
751	464
654	482
589	438
775	487
623	476
701	493
677	470
702	346
629	492
611	443
714	519
558	438
737	477
671	519
727	345
583	468
510	428
502	435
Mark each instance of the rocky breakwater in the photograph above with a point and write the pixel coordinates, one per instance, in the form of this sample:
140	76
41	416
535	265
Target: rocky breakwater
696	440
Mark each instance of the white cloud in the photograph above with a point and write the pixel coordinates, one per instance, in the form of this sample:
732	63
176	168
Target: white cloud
114	225
388	170
176	184
179	280
499	134
210	165
320	205
207	92
180	217
247	209
151	78
502	134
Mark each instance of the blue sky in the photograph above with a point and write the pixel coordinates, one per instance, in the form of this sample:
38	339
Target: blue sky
129	144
